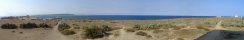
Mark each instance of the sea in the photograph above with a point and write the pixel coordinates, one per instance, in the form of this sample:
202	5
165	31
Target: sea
119	17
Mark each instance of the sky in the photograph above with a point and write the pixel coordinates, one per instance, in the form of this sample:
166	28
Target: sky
123	7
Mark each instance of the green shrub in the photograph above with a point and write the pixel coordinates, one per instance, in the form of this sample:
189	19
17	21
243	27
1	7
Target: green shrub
106	28
8	26
141	33
68	32
138	27
44	25
92	32
28	26
147	27
63	26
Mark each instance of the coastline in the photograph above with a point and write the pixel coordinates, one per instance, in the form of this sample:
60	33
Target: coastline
169	29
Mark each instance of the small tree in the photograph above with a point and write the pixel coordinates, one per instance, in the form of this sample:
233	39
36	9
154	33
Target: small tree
8	26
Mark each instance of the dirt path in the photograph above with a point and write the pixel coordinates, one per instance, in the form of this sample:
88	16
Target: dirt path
123	35
218	26
58	34
122	31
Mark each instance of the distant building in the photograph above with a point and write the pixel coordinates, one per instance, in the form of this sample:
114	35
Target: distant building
236	16
218	16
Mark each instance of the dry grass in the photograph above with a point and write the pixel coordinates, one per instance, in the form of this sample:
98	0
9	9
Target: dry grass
168	29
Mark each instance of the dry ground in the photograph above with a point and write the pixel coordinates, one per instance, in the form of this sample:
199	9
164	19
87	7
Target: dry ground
189	29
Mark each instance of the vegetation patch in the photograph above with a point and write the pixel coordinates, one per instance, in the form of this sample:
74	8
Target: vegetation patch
87	20
44	25
130	30
180	39
64	29
68	32
233	24
147	27
92	32
63	26
9	26
141	33
158	31
28	25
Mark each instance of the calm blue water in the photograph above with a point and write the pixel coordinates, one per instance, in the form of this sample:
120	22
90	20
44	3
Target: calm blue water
121	17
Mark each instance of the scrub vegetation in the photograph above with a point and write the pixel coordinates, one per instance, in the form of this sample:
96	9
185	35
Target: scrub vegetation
9	26
92	32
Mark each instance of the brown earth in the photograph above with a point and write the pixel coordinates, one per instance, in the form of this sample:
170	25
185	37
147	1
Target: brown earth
189	29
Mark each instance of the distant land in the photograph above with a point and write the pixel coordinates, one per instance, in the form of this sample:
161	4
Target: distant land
54	15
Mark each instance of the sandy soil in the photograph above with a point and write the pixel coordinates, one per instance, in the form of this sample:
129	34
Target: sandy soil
32	34
188	29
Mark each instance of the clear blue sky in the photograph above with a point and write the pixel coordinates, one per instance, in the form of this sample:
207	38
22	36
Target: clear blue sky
123	7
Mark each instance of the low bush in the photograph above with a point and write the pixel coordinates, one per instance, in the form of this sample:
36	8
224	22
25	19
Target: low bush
8	26
205	29
28	26
68	32
93	32
44	25
147	27
180	39
141	33
158	31
130	30
63	26
106	28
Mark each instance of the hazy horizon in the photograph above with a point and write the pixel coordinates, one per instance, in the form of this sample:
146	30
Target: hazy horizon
123	7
